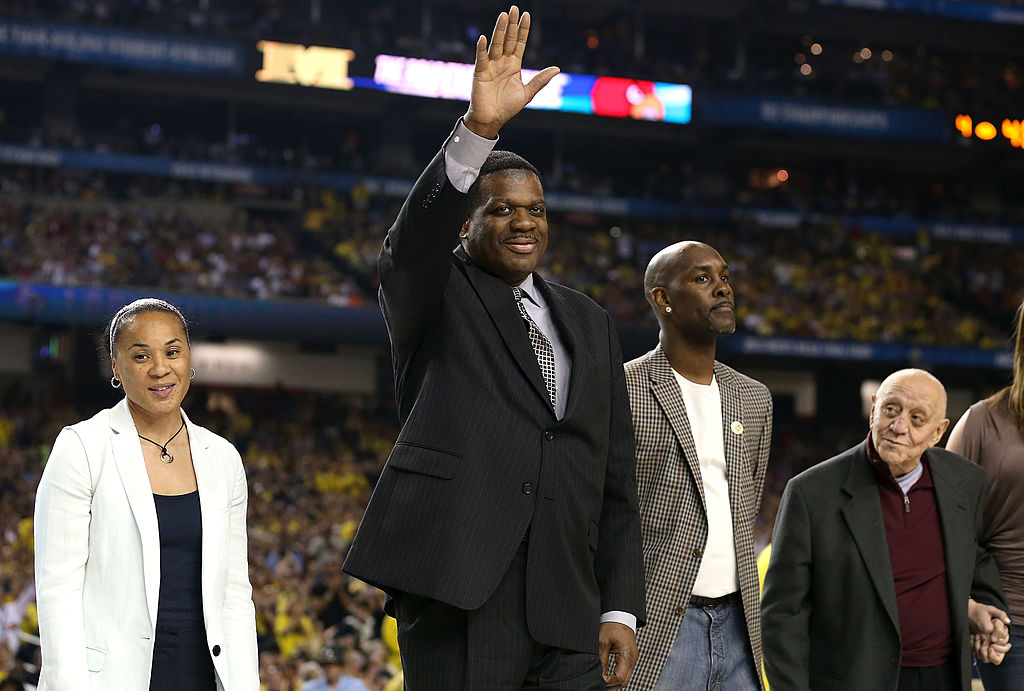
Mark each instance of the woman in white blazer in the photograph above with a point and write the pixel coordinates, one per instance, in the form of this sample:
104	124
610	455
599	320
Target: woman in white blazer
142	575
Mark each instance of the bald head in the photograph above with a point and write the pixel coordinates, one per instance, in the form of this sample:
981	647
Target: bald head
908	417
677	257
919	380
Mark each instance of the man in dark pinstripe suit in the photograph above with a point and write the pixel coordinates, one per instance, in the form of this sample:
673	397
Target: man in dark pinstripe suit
703	432
505	524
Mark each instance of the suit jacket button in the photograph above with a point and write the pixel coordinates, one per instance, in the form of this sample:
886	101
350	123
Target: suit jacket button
549	435
216	650
527	488
680	610
895	659
697	552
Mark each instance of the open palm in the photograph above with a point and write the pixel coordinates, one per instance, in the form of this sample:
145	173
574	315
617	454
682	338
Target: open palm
498	90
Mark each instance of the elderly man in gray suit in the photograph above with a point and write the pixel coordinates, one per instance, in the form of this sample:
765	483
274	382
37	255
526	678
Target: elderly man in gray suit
703	431
875	558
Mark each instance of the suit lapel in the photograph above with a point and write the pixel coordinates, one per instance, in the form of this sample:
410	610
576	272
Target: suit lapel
568	322
732	413
211	505
131	466
957	525
863	514
666	391
501	306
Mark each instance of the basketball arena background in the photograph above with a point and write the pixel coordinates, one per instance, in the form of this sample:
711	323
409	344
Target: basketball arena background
857	162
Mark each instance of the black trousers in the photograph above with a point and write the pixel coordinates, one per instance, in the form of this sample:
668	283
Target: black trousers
489	649
181	661
939	678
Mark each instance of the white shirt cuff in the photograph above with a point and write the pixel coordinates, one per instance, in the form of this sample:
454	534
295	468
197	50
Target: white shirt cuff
464	155
620	618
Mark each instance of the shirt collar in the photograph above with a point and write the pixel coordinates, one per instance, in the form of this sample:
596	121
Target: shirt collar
530	291
919	477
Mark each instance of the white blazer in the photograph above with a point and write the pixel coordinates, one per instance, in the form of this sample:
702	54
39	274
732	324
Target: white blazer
97	559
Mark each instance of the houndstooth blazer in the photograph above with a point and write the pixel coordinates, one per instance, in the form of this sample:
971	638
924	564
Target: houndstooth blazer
673	516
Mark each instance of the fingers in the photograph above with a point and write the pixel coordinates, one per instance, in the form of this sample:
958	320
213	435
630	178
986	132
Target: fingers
481	53
498	37
514	29
539	81
524	32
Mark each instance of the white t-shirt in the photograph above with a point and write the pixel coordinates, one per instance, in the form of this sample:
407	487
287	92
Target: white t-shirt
717	575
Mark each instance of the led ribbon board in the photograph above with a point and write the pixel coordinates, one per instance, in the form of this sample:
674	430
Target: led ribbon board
573	93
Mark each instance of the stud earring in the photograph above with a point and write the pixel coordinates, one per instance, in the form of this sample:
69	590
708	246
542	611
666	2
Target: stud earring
668	310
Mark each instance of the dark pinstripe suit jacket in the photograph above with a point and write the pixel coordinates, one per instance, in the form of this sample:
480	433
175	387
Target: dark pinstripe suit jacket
675	523
481	457
829	608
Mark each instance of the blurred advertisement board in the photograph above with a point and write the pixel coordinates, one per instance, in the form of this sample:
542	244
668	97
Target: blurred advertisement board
120	48
574	93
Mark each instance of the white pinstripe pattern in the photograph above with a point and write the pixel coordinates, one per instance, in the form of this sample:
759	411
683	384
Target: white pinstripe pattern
672	504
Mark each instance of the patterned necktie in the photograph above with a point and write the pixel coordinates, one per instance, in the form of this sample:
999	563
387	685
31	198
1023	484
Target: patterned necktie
541	347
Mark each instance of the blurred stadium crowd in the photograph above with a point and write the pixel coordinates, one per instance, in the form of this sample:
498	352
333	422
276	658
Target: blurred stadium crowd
821	279
312	459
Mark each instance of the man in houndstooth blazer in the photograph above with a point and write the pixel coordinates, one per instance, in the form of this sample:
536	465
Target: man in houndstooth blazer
684	495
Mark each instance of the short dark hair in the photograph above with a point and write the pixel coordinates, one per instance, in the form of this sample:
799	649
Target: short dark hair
138	307
496	162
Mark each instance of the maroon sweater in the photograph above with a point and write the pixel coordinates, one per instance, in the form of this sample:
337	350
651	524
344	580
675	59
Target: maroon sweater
914	533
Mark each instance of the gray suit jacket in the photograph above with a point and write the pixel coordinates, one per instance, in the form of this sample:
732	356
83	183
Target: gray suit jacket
481	456
672	509
829	609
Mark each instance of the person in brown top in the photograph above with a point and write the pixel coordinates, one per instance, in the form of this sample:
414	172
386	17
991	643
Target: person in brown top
991	433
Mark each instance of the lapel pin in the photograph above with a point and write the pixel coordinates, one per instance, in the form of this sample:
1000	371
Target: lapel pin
737	427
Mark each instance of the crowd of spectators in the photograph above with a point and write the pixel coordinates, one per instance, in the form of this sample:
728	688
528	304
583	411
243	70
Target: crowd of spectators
311	462
824	279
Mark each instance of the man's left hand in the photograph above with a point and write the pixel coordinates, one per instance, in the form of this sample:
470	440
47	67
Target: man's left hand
618	640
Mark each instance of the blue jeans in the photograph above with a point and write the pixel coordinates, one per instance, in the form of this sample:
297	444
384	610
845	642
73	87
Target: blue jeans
711	653
1008	676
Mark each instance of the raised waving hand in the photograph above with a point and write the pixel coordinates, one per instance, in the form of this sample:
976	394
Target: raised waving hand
498	89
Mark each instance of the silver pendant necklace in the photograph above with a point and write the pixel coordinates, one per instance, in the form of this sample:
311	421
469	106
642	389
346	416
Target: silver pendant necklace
165	455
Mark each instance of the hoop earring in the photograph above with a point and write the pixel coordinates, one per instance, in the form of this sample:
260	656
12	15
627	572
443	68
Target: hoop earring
115	383
192	373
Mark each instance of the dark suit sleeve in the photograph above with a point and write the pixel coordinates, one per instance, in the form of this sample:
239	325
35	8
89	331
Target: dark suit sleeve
619	559
786	603
986	586
416	258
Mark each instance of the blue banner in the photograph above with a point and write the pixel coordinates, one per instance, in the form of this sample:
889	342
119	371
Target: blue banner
855	351
315	321
955	9
228	317
120	48
821	117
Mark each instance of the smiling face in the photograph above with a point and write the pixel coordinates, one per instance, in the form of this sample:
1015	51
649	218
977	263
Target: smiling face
908	416
692	279
152	359
506	233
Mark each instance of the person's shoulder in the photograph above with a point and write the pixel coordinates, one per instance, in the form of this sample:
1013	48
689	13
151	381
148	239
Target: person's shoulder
957	464
831	472
575	298
740	380
639	366
97	425
212	440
